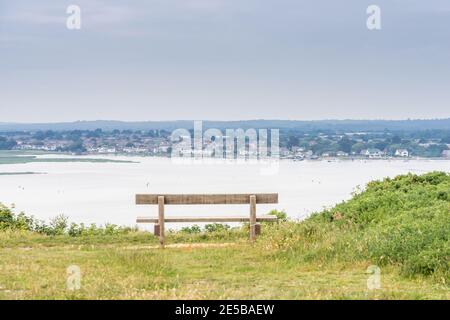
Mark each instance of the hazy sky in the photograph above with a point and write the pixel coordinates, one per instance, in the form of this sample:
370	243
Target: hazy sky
223	60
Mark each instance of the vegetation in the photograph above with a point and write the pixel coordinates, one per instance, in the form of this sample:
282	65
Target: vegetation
403	221
401	225
428	144
58	226
326	139
7	144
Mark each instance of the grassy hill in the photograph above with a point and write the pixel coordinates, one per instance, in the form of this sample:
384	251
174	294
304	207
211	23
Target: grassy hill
403	222
401	225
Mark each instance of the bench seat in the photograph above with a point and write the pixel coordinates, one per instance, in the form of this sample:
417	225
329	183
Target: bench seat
260	218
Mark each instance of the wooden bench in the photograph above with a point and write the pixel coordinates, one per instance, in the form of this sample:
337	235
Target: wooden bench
204	199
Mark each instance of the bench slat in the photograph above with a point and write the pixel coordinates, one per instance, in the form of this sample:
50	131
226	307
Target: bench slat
207	219
173	199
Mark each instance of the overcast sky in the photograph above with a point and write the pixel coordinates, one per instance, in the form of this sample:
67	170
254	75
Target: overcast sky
223	60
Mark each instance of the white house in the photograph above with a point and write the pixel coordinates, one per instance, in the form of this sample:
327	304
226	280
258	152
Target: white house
107	150
401	153
446	153
372	153
342	154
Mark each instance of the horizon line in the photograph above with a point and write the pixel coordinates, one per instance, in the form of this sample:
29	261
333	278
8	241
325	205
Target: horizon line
209	120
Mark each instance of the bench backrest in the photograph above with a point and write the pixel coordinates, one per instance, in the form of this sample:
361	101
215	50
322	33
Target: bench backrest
239	198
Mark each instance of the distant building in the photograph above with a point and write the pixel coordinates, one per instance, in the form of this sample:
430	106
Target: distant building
341	154
284	152
372	153
135	150
402	153
446	153
300	155
163	148
107	150
297	149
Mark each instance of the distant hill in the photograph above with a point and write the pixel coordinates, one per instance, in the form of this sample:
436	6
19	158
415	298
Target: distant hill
339	125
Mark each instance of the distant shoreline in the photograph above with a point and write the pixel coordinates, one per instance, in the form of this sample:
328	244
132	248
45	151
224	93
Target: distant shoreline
28	156
20	173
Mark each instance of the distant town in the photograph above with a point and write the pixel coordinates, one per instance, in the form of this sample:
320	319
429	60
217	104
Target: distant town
294	144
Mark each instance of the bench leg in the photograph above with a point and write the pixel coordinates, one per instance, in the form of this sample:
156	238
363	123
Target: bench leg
258	229
156	230
162	239
253	218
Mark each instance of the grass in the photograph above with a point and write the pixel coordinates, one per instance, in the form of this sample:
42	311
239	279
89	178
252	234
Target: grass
401	225
131	268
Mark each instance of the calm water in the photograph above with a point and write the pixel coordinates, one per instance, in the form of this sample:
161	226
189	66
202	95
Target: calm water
104	192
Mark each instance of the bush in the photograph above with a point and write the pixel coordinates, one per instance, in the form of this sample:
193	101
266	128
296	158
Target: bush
216	227
281	215
57	226
194	229
403	221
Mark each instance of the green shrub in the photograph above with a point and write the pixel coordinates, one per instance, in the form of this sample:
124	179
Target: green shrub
403	221
58	226
194	229
281	215
216	227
